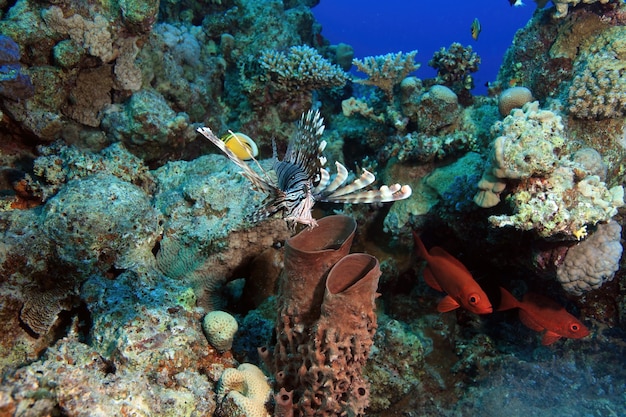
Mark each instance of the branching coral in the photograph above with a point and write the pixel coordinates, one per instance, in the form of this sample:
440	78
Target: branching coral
302	69
454	66
386	71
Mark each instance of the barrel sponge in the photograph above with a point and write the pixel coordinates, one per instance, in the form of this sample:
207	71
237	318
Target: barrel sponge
513	98
220	328
243	392
592	262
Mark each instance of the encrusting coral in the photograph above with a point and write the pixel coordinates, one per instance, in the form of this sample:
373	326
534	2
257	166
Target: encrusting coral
553	193
597	90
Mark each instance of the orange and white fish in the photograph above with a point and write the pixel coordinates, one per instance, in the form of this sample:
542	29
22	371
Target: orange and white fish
543	314
447	274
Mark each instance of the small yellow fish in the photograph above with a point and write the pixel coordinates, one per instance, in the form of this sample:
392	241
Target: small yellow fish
241	145
475	29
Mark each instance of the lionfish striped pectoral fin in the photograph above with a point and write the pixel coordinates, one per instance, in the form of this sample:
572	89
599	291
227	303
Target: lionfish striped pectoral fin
257	181
336	192
384	194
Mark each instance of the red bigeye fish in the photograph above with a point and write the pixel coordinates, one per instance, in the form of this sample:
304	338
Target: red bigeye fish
542	314
447	274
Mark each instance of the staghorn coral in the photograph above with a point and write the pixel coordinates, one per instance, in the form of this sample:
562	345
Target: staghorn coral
598	90
386	71
593	261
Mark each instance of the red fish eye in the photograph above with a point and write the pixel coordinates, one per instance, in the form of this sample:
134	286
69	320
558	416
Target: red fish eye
474	299
574	327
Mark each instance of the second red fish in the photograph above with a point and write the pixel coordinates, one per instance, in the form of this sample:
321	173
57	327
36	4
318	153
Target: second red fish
446	273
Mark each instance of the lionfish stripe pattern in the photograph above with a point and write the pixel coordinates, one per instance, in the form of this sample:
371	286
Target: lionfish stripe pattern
299	180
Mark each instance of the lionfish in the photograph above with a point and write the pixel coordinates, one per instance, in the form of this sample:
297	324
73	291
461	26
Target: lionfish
300	179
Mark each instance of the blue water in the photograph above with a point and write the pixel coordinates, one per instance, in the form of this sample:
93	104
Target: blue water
374	27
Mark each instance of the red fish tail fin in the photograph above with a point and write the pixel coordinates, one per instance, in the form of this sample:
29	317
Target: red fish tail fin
419	247
507	300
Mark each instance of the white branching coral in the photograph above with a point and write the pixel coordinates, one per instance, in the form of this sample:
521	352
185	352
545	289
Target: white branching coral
386	71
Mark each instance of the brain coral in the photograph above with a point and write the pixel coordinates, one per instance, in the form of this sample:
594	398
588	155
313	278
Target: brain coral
243	392
513	98
599	89
219	328
592	262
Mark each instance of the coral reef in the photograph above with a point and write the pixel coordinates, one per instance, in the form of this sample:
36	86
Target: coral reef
195	196
562	6
394	365
146	124
593	261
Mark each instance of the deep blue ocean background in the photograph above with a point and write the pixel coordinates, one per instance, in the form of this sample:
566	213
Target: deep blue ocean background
373	27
